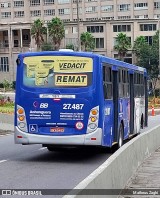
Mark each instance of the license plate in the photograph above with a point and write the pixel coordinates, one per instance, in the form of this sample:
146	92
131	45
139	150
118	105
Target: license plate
57	129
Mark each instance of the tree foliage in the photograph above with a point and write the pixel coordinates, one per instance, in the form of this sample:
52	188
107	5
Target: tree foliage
142	50
47	46
154	61
56	32
123	44
6	85
155	49
70	46
37	31
139	45
148	56
87	41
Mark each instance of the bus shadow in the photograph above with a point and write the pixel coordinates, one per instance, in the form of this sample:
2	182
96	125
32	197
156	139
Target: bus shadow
83	155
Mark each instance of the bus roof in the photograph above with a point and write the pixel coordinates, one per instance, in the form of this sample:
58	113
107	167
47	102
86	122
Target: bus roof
104	59
122	64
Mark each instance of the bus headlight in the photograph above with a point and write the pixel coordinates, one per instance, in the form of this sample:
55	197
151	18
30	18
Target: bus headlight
93	119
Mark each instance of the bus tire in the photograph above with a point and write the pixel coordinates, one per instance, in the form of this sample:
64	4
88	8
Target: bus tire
142	122
120	135
56	149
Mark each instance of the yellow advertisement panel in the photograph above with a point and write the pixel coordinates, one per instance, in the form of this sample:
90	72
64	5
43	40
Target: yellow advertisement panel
61	63
31	69
72	64
70	80
41	73
48	64
41	77
45	70
40	81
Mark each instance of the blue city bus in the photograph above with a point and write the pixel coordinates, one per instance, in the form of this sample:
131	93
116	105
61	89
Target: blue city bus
66	98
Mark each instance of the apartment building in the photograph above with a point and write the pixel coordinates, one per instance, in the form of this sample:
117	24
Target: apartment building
103	18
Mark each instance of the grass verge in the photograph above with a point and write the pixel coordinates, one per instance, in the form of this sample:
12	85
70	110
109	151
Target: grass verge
7	109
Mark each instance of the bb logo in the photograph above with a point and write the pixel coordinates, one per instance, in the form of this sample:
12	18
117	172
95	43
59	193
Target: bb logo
43	105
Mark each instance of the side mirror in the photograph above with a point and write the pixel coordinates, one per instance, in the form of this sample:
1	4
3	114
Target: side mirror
18	61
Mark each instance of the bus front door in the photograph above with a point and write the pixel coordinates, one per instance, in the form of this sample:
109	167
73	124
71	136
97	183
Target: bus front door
131	104
115	104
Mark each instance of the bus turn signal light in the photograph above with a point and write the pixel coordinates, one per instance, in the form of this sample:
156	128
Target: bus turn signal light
94	112
21	118
93	119
20	111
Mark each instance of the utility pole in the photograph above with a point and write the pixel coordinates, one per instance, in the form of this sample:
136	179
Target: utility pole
78	28
159	52
159	46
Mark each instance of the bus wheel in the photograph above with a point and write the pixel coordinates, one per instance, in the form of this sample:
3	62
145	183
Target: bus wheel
120	138
56	149
142	122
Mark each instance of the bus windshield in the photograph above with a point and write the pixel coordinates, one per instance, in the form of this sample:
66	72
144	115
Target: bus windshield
57	71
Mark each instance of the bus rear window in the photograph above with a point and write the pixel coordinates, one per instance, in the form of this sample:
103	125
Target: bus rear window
57	71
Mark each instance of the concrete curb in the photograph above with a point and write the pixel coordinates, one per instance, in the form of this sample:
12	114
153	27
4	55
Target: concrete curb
117	169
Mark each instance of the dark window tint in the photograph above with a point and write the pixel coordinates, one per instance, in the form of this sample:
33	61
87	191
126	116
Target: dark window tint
107	81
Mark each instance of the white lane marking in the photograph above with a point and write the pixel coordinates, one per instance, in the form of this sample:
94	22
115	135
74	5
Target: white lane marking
1	161
42	148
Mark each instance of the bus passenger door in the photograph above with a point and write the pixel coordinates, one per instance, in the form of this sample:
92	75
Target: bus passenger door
115	103
131	103
108	106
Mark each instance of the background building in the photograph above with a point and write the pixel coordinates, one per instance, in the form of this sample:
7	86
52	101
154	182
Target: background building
103	18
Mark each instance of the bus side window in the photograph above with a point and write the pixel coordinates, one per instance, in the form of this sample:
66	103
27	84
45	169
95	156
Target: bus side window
138	85
107	82
123	83
135	85
126	84
104	84
142	85
121	89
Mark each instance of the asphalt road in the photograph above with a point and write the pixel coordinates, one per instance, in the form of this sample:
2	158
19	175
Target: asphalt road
34	167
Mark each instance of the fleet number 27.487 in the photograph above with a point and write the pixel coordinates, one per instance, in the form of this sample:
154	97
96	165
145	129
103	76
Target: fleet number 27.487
73	106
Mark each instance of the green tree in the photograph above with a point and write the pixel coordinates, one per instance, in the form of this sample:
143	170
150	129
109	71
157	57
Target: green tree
87	41
56	32
70	46
155	49
47	46
6	85
140	48
37	32
123	44
147	56
154	62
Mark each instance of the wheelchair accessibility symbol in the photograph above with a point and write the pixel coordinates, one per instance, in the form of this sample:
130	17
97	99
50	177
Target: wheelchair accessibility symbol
33	128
